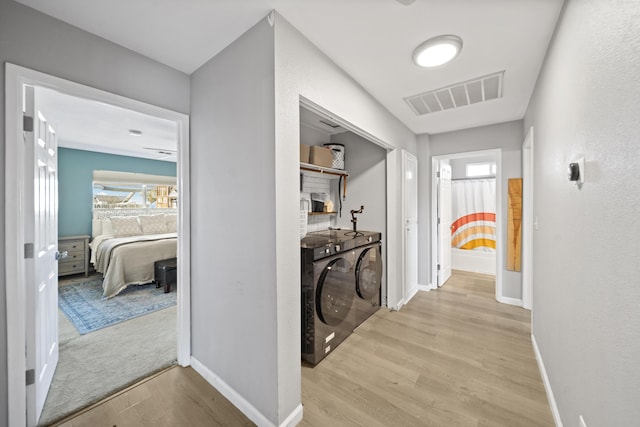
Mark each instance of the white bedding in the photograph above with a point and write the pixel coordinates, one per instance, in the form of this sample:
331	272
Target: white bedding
125	261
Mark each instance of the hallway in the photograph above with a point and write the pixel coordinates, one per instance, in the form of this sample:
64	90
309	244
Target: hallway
452	357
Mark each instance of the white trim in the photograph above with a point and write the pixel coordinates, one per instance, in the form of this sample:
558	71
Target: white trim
393	242
412	292
425	288
497	152
240	402
527	221
15	78
14	244
294	417
510	301
318	109
547	385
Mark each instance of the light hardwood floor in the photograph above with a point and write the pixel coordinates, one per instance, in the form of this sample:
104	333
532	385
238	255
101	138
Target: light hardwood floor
451	357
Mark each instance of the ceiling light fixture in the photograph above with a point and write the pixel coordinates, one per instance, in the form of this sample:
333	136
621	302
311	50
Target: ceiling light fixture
135	132
437	51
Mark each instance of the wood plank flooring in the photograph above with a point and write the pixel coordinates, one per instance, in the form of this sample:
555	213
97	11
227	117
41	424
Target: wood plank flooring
175	397
451	357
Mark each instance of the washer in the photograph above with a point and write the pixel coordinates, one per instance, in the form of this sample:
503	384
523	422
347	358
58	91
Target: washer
368	282
329	260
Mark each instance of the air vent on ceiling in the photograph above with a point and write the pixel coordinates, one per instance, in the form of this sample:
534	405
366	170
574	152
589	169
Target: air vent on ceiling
458	95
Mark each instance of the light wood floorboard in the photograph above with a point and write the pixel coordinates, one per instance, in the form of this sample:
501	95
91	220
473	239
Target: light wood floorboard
175	397
451	357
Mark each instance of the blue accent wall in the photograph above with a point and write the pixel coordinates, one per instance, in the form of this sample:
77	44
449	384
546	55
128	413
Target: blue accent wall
75	183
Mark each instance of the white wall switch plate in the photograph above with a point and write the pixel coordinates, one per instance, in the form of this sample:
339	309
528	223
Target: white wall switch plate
580	162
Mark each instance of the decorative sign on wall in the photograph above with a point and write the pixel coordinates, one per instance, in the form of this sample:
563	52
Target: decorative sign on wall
514	225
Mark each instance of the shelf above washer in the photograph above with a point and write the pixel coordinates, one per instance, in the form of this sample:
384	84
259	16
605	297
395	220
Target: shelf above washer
322	213
333	173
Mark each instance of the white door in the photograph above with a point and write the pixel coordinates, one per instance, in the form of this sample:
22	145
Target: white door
410	214
41	236
444	224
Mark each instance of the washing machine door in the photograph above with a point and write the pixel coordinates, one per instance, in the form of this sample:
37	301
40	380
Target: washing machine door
369	272
334	291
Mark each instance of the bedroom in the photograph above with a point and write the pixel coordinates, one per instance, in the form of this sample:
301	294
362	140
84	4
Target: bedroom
103	171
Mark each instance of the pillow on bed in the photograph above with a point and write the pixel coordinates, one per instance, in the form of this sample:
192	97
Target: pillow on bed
107	227
153	224
125	226
172	223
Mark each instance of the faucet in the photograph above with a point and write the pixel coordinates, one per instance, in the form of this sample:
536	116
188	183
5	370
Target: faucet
354	220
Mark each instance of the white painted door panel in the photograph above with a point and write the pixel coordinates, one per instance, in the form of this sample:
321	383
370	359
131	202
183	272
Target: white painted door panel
42	268
410	209
444	224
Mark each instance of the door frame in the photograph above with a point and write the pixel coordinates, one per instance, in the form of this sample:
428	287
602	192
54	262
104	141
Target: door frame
15	78
497	153
527	220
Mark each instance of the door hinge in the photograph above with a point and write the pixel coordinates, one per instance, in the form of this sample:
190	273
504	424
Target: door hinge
438	221
438	174
28	250
27	124
438	267
30	377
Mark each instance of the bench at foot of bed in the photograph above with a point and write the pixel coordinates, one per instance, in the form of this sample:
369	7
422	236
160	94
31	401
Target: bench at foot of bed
164	273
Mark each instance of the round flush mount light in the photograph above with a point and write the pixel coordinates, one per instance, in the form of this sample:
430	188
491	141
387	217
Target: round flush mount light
437	51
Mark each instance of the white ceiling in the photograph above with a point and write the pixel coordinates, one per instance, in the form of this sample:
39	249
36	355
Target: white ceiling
94	126
372	40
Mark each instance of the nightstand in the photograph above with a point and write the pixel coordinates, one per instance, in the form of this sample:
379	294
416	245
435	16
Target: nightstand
77	260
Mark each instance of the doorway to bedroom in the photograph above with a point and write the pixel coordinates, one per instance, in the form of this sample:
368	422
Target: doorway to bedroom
119	162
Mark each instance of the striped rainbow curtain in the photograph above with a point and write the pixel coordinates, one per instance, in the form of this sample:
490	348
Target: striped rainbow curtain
474	213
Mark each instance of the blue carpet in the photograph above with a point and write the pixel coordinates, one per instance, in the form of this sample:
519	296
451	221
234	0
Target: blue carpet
83	305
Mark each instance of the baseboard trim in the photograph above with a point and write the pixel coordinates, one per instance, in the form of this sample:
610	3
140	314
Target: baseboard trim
294	417
412	293
547	384
240	402
510	301
425	288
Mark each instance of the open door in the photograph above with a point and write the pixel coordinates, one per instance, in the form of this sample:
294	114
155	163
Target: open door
444	223
41	255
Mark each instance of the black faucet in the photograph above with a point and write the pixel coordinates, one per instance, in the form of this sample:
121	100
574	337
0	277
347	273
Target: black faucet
354	220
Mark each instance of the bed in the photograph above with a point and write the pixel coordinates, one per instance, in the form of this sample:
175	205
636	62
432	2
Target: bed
124	249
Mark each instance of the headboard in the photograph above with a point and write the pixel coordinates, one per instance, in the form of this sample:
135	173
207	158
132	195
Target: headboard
101	223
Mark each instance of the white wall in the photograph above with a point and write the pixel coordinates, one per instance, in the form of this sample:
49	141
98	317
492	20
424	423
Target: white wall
34	40
365	163
366	184
233	270
586	298
506	136
312	136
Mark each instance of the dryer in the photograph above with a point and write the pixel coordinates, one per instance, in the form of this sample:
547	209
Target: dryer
328	282
368	282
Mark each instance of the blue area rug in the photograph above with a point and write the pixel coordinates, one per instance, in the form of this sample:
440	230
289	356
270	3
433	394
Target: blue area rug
83	305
